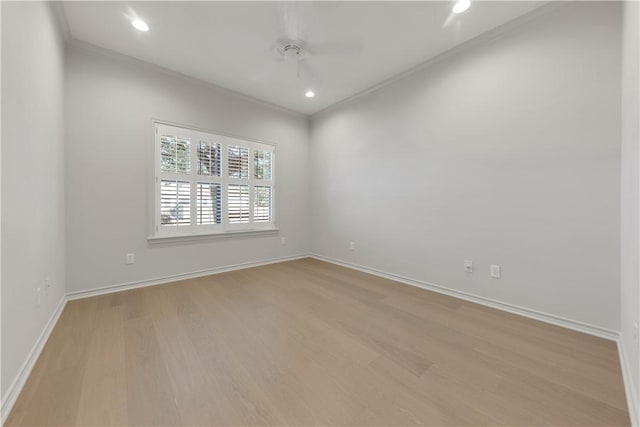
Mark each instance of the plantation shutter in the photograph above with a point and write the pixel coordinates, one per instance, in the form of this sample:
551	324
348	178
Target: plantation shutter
263	184
208	183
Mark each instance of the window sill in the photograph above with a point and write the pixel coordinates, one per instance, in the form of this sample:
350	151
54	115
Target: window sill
159	240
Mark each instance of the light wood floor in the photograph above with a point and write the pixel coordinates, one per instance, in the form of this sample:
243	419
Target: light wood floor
310	343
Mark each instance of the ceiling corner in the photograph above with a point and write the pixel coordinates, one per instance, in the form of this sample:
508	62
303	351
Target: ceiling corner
58	11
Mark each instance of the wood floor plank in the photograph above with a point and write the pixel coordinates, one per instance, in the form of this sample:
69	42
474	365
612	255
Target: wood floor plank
548	361
310	343
221	386
103	400
149	394
273	369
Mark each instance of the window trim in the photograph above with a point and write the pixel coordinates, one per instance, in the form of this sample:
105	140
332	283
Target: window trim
184	238
200	232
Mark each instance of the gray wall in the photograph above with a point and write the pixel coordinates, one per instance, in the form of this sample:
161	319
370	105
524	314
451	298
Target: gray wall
505	153
32	177
110	104
630	229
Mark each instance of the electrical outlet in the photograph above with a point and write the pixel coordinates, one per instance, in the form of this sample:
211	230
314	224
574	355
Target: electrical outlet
131	259
352	246
494	271
283	241
468	266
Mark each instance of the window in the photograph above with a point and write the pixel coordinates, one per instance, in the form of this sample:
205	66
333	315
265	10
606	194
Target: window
207	183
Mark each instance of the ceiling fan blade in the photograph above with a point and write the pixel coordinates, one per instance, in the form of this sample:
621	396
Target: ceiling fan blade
290	19
307	73
264	72
339	47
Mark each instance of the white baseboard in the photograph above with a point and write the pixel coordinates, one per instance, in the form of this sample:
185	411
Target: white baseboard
629	385
25	370
175	277
511	308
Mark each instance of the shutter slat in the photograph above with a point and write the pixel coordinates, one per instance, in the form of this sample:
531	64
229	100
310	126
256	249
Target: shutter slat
209	156
175	154
209	203
238	161
262	204
238	203
262	164
175	203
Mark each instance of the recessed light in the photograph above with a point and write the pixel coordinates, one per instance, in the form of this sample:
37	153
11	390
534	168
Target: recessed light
139	24
461	6
310	94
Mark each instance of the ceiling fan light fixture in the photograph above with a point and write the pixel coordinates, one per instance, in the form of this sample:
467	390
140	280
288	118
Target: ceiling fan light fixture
310	94
461	6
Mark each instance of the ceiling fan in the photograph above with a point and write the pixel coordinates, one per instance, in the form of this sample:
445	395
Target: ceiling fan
297	53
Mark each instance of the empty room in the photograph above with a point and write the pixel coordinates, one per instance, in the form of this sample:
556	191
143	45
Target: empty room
355	213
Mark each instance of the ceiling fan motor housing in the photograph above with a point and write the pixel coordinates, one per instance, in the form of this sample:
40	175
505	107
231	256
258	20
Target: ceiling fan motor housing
291	49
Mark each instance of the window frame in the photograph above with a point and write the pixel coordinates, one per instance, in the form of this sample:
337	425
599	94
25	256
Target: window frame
196	135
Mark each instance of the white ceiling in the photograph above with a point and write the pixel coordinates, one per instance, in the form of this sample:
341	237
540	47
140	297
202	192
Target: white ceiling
232	44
